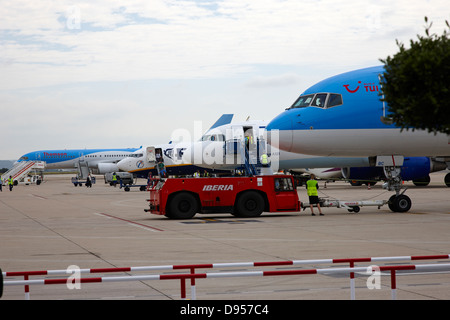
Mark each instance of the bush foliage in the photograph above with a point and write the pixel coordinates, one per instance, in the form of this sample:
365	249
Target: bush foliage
416	83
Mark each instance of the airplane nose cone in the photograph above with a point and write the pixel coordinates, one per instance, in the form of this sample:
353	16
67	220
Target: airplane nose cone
280	132
124	165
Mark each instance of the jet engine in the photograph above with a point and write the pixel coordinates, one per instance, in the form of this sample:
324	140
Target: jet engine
416	169
107	167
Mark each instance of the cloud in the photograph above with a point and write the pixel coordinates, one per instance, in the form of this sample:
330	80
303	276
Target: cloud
112	40
88	64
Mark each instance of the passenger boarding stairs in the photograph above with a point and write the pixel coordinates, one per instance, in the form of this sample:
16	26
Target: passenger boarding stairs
247	158
21	170
83	169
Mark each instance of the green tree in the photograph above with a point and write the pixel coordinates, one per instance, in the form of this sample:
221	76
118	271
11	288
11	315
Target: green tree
416	83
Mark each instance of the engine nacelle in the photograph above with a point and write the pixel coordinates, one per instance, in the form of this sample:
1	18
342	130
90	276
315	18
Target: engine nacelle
107	167
413	168
363	173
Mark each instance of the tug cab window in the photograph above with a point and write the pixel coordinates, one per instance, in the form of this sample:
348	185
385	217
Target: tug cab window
283	184
318	100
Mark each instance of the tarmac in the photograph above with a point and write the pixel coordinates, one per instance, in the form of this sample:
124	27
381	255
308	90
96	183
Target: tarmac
56	225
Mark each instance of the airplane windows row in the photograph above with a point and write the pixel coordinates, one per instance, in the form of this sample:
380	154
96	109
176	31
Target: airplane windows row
320	100
112	155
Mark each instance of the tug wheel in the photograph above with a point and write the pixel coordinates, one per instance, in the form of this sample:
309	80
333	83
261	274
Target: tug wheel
182	206
249	204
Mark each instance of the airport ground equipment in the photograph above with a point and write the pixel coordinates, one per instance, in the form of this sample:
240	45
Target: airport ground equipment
128	187
20	172
182	198
351	206
79	182
126	177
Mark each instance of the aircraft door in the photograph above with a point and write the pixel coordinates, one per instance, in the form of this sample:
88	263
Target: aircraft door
235	132
151	156
155	156
234	137
283	193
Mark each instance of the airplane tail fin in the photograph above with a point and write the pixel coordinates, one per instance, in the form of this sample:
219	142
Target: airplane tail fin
224	119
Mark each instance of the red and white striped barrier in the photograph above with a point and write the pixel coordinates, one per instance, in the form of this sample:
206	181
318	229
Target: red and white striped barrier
183	277
192	276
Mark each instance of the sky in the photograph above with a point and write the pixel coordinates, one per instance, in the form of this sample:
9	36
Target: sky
119	74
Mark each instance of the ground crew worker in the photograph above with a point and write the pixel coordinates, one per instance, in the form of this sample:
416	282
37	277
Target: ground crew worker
114	179
10	183
1	184
264	160
311	186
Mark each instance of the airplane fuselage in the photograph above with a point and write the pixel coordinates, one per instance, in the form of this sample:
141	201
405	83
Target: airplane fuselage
355	124
67	159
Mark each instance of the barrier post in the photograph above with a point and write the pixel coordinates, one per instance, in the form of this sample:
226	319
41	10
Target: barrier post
352	282
193	290
183	288
393	285
27	288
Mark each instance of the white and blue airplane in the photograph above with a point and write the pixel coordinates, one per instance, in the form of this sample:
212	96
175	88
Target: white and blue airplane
344	116
210	152
100	161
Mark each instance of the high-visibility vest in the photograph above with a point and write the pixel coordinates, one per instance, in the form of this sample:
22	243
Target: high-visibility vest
264	159
10	181
311	187
114	177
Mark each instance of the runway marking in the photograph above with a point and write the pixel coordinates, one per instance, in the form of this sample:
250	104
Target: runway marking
153	229
39	197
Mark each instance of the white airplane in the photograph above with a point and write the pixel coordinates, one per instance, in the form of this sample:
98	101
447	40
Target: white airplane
344	116
227	147
169	157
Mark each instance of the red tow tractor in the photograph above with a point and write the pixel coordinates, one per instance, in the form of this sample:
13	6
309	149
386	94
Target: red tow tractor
182	198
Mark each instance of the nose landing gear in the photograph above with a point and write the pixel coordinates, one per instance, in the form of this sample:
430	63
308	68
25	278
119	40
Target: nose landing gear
398	202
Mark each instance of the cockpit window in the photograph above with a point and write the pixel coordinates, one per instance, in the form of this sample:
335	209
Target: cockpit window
334	100
319	100
303	101
213	137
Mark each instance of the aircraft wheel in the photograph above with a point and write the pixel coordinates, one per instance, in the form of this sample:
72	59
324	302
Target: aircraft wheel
182	206
400	203
447	179
250	204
